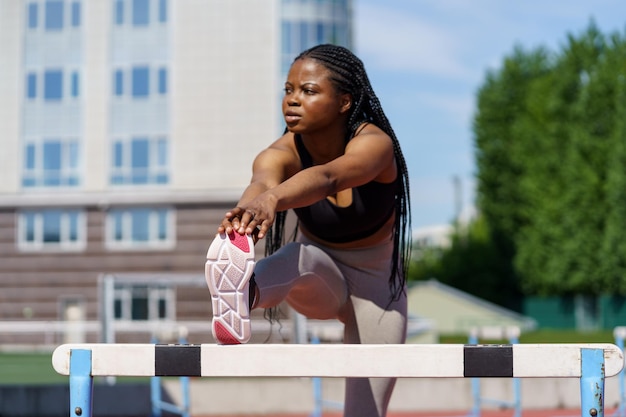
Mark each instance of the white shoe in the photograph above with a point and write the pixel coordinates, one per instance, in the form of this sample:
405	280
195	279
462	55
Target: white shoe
229	266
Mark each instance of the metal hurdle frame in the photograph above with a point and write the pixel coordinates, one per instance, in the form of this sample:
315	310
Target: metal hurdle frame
619	333
157	404
511	334
591	363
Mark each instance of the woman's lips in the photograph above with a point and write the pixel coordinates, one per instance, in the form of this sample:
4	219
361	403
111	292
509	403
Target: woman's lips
292	118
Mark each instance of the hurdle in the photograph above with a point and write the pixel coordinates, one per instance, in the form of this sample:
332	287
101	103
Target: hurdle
591	363
511	334
619	333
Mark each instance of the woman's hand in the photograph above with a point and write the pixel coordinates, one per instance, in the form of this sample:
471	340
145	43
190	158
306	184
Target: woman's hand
254	218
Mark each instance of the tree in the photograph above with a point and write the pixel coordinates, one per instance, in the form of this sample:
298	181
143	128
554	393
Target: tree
613	251
561	163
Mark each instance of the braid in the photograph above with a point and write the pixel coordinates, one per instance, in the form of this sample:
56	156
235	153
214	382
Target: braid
348	76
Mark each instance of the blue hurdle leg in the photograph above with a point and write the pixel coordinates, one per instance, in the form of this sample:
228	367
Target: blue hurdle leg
592	383
81	383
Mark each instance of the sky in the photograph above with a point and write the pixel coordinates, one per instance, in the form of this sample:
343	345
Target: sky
426	60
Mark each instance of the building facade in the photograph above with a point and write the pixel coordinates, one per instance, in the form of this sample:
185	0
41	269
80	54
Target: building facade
128	127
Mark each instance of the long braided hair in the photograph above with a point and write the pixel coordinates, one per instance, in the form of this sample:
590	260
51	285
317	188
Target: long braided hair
348	76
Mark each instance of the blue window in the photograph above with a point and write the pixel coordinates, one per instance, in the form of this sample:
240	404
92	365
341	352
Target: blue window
162	81
304	36
162	224
75	13
52	228
54	15
33	12
139	227
319	38
53	85
140	155
141	12
28	220
29	156
73	159
51	163
118	83
31	85
141	81
119	12
75	84
140	160
140	224
162	11
118	155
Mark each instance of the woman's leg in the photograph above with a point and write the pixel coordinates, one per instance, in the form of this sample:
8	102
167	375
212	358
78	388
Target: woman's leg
304	276
317	283
370	318
368	323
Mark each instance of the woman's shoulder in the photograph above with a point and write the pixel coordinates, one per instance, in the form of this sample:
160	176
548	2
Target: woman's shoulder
368	128
285	143
369	134
282	152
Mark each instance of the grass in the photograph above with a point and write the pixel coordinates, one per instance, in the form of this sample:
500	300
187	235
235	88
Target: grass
547	336
28	368
36	368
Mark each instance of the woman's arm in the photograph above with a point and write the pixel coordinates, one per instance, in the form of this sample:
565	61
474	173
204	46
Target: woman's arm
368	156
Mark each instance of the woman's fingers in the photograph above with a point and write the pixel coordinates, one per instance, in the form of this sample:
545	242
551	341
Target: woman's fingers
245	221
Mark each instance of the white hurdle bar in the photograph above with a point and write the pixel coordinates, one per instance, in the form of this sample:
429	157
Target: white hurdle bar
591	363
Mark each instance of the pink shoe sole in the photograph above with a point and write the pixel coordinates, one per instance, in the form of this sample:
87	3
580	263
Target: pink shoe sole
229	266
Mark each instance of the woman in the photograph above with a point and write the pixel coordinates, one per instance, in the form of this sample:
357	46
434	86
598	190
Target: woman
340	168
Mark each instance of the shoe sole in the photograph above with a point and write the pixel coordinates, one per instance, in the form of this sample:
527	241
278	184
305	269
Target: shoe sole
229	266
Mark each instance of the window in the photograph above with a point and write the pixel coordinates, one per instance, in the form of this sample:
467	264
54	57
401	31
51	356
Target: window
75	14
162	11
75	84
31	85
54	15
53	85
33	12
140	160
304	35
140	227
140	81
144	302
51	163
141	12
51	229
118	83
119	12
162	81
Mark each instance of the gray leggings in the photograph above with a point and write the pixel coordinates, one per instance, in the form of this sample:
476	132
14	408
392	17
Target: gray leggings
349	285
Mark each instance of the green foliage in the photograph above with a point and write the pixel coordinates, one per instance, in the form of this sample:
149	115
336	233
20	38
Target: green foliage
545	336
550	147
472	264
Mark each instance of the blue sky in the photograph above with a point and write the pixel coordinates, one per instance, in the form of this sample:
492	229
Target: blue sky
427	58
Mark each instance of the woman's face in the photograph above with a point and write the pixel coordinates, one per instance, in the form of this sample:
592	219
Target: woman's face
311	102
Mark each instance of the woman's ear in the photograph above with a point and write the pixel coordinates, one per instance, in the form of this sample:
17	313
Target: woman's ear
346	102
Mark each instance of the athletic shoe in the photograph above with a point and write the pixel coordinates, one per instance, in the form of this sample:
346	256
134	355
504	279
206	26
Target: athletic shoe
229	266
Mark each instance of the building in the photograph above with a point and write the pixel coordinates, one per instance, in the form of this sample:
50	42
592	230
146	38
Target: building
128	127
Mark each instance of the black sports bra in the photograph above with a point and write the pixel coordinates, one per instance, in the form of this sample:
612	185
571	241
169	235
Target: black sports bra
372	205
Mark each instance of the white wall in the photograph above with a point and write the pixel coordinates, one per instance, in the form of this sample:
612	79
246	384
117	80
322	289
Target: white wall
224	90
